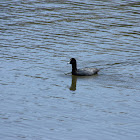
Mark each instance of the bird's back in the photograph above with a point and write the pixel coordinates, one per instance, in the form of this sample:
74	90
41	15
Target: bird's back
87	71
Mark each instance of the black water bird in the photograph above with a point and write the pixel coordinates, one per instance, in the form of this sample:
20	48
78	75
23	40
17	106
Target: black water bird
82	72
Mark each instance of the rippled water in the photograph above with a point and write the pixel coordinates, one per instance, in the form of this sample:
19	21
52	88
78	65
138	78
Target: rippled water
39	100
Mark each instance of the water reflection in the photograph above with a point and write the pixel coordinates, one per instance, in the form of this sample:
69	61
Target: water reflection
73	83
85	78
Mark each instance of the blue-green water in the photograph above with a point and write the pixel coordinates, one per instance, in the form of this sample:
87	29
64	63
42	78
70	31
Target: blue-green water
39	101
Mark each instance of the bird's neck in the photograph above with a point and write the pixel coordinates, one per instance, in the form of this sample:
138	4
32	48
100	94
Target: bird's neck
74	67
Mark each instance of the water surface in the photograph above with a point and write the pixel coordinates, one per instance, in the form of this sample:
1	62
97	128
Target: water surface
39	100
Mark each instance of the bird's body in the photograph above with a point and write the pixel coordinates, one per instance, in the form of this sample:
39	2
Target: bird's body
86	72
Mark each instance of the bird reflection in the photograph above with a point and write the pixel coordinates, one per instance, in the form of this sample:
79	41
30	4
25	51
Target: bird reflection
73	83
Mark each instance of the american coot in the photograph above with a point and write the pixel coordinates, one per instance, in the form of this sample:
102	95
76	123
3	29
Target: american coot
82	72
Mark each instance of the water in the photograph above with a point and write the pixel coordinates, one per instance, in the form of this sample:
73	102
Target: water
39	100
